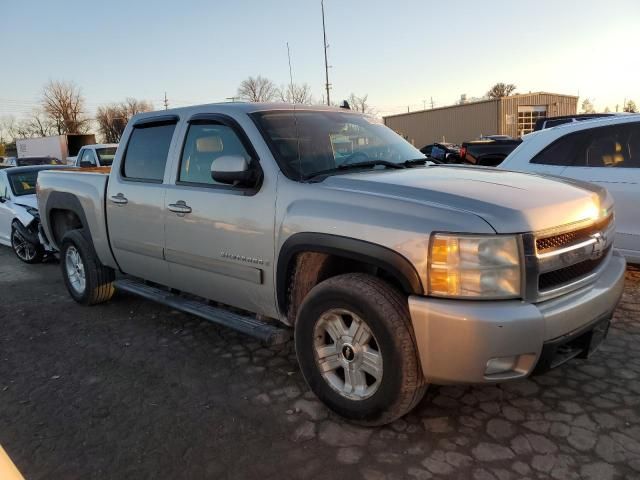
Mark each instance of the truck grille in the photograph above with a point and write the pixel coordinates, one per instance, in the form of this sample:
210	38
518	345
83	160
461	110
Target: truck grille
567	238
568	274
561	261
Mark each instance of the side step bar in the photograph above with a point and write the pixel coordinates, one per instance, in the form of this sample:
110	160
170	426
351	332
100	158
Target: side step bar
265	332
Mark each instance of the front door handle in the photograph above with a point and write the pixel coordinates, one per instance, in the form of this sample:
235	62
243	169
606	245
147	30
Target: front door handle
180	207
119	199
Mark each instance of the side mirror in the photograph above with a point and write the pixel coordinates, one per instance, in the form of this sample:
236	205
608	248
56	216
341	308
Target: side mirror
2	199
232	170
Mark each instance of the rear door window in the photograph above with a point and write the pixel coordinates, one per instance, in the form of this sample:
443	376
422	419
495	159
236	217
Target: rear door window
147	152
612	147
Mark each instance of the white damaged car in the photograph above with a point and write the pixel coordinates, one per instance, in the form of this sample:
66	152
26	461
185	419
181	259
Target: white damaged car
19	218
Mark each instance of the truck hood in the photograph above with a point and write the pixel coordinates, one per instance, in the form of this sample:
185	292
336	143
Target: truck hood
510	202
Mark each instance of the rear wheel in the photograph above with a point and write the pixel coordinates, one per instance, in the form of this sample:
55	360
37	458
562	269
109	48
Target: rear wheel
87	280
357	351
24	249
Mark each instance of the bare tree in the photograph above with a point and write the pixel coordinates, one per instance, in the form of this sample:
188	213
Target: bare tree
500	90
257	89
113	118
64	105
294	93
630	107
7	128
360	104
587	106
37	124
607	109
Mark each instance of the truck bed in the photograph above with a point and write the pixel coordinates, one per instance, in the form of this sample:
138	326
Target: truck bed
84	185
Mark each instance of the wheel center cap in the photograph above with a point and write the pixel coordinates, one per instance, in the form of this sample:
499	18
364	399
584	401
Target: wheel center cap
348	353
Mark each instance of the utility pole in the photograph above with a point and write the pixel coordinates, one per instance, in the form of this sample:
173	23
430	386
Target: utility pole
166	101
431	102
326	63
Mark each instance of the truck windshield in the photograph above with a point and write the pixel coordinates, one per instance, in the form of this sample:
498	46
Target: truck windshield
23	183
106	155
308	142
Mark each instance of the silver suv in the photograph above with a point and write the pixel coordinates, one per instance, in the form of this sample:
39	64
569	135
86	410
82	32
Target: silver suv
391	272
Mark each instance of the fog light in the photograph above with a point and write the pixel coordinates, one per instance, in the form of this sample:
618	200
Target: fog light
501	365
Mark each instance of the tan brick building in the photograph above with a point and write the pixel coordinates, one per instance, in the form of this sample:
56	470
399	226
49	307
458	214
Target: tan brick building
514	116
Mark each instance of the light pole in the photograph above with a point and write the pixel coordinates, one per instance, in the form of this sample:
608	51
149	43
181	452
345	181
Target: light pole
326	63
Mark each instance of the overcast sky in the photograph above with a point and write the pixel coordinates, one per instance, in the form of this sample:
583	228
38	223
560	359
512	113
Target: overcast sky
400	53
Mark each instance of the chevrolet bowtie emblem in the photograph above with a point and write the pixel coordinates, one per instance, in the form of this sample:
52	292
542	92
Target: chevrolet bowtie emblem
599	245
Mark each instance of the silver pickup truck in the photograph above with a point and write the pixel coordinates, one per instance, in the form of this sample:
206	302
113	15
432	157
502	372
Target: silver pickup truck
391	272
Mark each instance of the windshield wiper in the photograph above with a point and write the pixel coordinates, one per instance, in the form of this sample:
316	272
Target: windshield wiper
355	166
419	161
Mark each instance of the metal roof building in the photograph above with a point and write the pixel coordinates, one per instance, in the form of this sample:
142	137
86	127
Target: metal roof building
514	116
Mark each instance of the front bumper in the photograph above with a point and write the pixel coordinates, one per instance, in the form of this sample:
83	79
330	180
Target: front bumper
457	338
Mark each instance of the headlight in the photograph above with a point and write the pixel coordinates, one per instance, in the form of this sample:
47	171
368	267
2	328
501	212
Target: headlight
470	266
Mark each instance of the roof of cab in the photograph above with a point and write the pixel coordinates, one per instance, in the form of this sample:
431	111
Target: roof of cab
237	107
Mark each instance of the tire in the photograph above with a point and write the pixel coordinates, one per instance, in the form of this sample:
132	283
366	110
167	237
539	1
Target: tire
25	250
78	257
333	306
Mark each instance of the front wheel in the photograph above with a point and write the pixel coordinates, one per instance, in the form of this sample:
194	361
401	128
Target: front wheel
24	249
357	351
87	280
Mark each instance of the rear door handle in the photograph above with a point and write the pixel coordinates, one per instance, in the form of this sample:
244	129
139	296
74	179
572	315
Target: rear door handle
180	207
119	199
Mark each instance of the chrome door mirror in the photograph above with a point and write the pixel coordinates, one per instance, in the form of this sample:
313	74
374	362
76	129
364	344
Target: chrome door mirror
232	170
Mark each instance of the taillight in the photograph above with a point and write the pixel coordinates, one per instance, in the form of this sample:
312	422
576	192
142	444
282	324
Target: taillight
463	153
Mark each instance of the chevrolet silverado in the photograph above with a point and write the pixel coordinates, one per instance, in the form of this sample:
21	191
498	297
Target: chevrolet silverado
390	272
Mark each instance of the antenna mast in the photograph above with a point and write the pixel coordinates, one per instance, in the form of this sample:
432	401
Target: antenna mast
326	63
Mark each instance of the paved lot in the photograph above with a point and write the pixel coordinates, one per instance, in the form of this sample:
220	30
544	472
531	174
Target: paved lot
135	390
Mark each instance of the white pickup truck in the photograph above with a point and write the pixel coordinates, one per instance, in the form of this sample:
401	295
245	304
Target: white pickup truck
391	272
98	155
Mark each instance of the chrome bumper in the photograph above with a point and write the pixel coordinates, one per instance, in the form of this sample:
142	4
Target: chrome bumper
458	339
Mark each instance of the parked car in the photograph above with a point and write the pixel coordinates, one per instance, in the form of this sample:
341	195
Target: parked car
19	218
604	151
487	152
442	152
32	161
99	155
549	122
374	258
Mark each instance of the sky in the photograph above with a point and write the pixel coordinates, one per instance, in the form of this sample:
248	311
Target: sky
402	54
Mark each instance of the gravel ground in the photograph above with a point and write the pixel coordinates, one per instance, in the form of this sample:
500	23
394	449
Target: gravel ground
135	390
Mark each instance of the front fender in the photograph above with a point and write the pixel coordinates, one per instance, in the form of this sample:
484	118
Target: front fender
22	215
349	248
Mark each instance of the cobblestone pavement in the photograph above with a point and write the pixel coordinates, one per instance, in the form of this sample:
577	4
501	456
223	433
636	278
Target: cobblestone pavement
135	390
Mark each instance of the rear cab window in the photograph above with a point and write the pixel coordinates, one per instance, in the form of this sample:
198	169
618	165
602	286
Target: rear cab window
147	151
